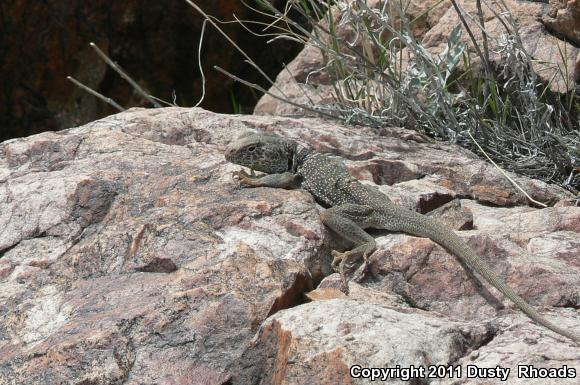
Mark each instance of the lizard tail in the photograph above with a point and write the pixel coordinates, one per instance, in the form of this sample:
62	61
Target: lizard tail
417	224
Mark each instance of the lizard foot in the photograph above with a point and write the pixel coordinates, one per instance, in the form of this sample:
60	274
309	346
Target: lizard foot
341	260
337	259
339	263
245	178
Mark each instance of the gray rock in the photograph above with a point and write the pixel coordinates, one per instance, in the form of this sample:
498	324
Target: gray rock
129	255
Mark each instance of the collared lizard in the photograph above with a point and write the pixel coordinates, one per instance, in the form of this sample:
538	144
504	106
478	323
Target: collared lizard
354	207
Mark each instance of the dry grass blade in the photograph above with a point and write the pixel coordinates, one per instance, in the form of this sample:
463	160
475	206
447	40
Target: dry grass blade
513	182
95	93
124	75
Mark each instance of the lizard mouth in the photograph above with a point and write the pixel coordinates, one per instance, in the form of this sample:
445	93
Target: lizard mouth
228	153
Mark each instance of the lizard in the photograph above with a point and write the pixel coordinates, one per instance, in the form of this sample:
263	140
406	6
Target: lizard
354	207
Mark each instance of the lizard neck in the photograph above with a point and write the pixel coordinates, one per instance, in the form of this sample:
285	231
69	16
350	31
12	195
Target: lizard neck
299	154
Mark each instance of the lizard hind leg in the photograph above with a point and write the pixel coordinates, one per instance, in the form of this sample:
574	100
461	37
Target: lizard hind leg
349	221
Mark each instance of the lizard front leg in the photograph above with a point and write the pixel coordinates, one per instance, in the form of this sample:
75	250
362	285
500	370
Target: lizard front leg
349	221
284	180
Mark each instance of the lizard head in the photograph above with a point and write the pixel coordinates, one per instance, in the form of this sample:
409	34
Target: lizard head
268	153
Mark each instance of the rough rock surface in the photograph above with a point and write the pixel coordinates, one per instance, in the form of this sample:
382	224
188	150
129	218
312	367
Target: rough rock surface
553	56
540	34
128	255
564	19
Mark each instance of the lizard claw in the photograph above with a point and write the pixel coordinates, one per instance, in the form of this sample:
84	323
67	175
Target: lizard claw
338	264
338	257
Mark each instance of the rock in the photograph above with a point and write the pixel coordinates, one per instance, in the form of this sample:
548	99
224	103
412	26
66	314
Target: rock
325	293
564	20
554	59
324	342
319	342
454	215
129	255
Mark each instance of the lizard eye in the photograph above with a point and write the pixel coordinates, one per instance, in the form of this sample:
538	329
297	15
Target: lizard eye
252	148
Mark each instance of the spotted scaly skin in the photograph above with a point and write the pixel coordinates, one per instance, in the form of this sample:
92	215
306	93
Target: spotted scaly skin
354	207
